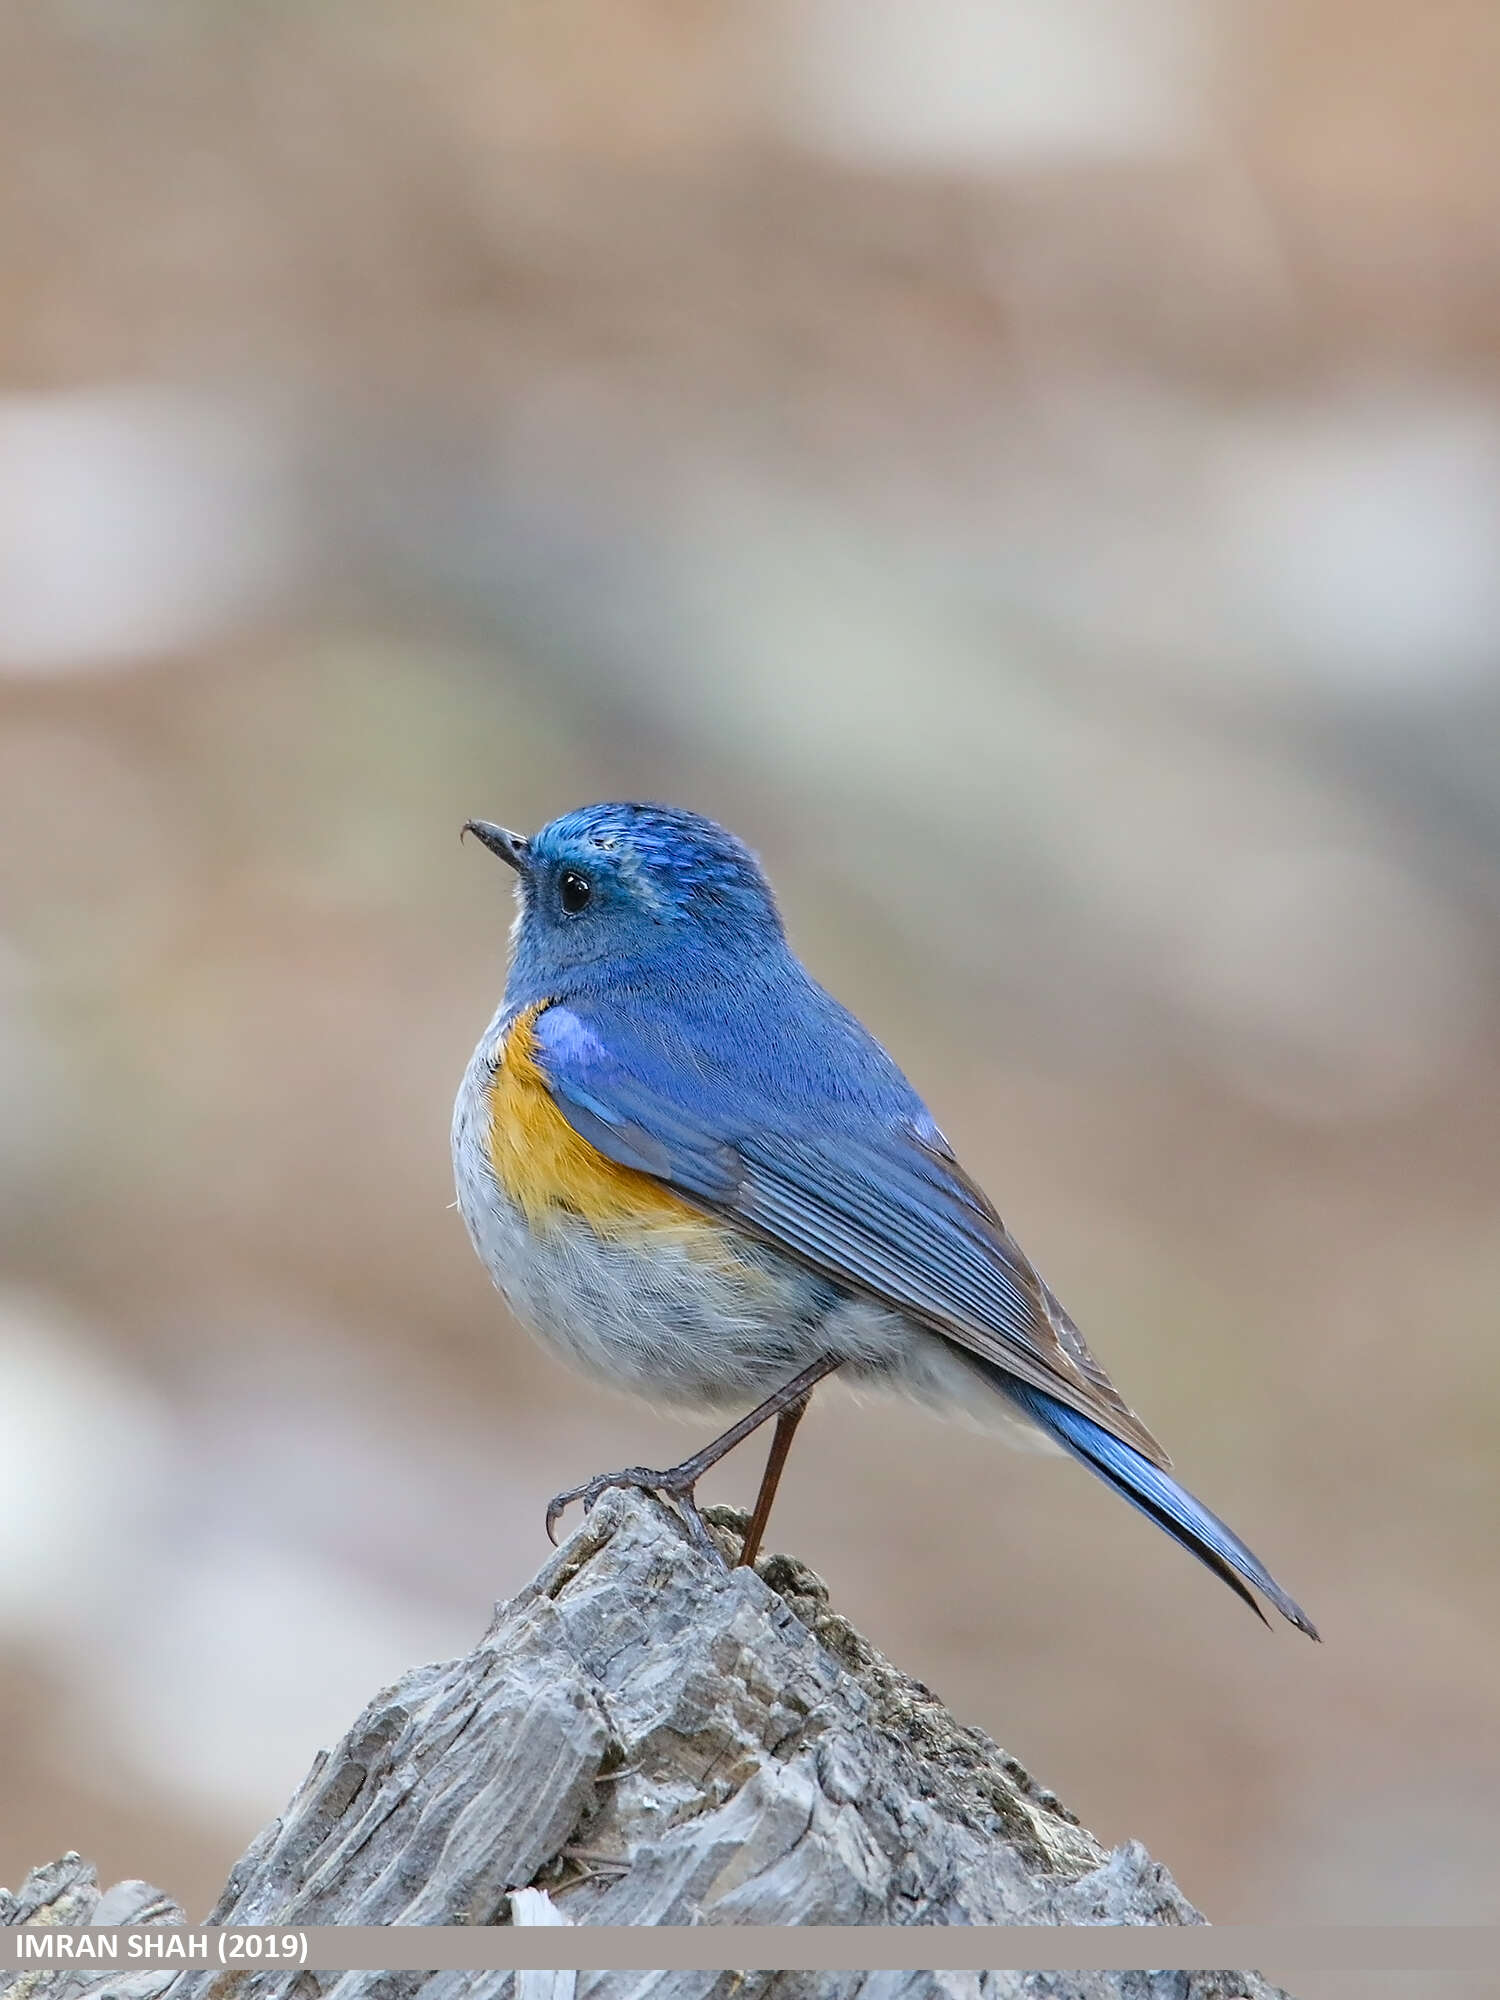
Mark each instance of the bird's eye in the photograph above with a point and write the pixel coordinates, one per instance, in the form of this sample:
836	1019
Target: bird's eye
574	891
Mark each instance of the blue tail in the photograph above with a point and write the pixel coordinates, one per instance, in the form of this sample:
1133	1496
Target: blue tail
1159	1497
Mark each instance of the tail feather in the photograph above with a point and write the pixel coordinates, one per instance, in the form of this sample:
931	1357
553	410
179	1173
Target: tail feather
1160	1498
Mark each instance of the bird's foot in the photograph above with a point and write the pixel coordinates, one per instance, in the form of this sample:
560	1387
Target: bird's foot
675	1484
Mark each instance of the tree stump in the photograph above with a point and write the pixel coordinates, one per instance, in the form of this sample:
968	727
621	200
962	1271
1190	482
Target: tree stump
649	1739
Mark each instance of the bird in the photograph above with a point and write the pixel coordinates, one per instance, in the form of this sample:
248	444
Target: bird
698	1177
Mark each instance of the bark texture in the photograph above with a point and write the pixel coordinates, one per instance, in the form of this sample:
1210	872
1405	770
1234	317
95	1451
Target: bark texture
649	1740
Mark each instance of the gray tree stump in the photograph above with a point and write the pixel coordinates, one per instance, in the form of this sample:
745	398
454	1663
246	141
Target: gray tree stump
650	1740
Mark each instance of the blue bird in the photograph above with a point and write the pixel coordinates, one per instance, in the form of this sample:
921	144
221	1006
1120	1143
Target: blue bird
697	1176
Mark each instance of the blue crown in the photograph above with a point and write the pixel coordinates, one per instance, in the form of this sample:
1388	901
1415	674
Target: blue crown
687	857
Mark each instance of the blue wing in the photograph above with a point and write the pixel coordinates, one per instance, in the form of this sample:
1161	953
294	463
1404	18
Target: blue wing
860	1185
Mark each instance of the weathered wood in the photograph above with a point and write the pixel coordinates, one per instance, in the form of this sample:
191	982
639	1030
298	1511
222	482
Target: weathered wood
652	1740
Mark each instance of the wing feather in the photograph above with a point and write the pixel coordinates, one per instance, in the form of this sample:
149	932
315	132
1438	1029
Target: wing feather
893	1217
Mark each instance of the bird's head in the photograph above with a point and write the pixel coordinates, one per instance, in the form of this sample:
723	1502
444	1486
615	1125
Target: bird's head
616	885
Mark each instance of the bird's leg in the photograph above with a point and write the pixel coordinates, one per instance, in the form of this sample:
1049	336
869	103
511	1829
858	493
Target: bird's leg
677	1482
786	1429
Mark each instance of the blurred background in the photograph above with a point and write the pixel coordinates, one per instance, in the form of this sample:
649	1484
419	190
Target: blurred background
1032	467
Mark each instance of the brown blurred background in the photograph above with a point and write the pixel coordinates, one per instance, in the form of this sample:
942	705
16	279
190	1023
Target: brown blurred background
1033	467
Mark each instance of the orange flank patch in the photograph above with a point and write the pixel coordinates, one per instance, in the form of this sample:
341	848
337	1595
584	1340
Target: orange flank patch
549	1172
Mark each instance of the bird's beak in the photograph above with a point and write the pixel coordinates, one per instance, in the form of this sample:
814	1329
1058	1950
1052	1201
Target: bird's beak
512	848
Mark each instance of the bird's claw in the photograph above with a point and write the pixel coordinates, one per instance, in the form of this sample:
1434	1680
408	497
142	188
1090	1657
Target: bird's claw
589	1492
667	1485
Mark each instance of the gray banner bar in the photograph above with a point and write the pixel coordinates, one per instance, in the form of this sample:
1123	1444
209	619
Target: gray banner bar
1279	1952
